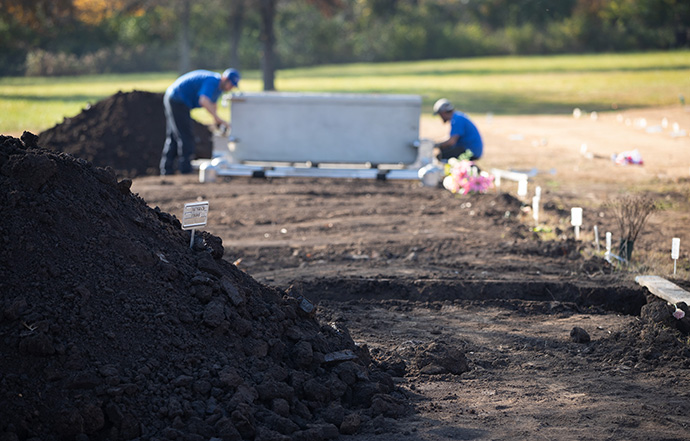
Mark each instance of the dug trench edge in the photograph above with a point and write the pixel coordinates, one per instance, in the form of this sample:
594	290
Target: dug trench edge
621	298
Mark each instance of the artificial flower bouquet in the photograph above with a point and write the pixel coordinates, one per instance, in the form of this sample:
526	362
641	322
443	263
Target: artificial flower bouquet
463	177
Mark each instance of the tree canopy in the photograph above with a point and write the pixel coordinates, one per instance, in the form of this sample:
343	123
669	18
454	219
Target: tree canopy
52	37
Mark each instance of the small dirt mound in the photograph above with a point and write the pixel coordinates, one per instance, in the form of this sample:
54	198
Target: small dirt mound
125	131
431	358
114	328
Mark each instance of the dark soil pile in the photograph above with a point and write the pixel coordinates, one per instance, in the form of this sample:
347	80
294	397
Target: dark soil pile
125	131
112	327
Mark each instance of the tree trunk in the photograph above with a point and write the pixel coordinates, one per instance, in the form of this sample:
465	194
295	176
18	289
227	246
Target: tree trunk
236	20
184	64
268	12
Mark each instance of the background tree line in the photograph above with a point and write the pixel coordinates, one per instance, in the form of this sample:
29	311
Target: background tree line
66	37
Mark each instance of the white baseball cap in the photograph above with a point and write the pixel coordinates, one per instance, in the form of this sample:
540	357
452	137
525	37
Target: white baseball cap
442	105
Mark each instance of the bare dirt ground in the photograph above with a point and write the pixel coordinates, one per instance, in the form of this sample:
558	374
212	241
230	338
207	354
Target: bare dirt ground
475	315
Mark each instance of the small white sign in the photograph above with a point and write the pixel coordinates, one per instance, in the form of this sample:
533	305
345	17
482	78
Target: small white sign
195	215
576	220
675	248
675	252
576	216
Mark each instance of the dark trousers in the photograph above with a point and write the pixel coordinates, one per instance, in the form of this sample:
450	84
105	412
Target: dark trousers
454	152
179	138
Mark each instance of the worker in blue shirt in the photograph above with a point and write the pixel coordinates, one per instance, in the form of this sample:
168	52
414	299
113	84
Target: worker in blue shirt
463	133
199	88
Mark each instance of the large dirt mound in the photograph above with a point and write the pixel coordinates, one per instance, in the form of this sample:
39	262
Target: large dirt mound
114	328
125	131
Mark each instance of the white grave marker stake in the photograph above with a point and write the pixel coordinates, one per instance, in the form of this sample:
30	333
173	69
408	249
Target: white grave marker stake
596	237
537	191
535	209
522	188
675	252
195	215
576	220
608	245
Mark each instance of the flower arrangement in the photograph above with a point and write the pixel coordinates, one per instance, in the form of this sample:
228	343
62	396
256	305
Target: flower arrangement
629	157
463	177
678	313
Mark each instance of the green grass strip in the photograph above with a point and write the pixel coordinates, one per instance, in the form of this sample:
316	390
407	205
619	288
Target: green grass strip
500	85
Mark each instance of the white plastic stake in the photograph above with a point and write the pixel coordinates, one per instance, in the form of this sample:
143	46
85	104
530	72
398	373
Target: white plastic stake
675	252
596	237
576	220
608	246
522	188
537	191
535	209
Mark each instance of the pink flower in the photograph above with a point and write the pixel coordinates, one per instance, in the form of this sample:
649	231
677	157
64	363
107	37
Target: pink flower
679	314
462	177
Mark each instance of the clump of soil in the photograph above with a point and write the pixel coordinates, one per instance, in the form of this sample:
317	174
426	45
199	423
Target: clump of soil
657	339
113	327
125	131
433	358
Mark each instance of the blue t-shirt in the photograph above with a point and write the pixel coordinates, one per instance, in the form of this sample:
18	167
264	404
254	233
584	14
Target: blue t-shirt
469	139
189	87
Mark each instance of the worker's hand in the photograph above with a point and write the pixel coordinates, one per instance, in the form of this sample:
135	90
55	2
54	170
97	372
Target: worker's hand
224	128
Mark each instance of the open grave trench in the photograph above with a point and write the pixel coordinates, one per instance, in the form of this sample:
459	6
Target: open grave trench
612	299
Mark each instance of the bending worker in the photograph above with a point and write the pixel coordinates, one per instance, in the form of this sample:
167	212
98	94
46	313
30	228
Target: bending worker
463	133
199	88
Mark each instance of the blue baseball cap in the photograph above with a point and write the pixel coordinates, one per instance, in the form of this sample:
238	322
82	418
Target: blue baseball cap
233	75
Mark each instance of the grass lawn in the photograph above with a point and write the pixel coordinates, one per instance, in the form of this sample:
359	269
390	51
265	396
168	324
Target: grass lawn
501	85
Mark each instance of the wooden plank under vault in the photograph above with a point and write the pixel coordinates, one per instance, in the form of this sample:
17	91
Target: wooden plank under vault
664	289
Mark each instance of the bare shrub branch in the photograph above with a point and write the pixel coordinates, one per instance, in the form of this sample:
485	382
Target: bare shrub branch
631	213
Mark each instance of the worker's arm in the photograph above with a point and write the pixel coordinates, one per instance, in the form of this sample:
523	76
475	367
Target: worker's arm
212	108
450	142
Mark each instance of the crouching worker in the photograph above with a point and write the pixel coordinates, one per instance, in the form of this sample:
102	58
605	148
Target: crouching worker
199	88
463	134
